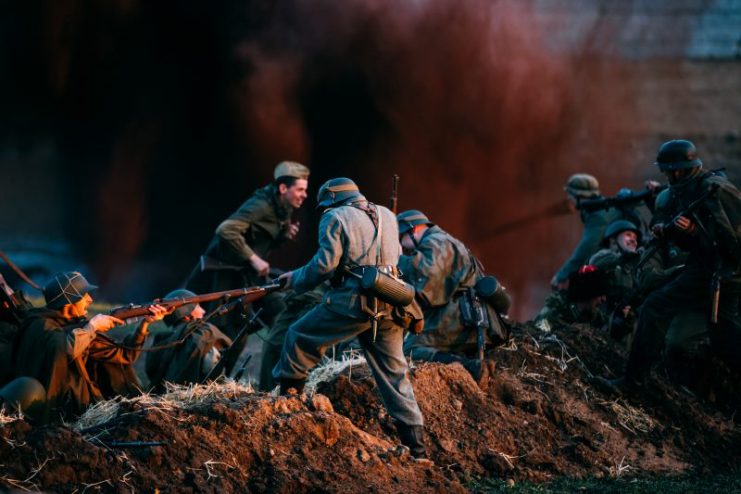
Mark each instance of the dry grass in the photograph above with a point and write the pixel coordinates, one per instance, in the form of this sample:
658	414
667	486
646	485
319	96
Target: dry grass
8	418
630	418
176	397
329	369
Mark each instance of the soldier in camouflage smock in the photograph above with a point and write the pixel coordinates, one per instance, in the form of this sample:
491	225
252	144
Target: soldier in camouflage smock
441	268
354	234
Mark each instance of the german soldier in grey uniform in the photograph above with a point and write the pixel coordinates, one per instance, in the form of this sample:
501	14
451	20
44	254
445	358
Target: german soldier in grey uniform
712	236
441	269
354	235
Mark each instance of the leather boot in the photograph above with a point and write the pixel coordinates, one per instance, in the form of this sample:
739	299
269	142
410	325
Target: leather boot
412	436
287	385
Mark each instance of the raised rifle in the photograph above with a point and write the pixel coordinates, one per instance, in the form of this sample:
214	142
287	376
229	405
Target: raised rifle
624	198
244	295
393	206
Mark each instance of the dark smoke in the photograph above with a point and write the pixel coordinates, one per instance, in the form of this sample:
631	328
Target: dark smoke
168	114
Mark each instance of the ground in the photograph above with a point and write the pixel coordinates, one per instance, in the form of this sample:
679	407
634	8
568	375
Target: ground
537	419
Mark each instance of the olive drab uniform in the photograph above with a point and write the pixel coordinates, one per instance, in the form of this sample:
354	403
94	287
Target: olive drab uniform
559	312
76	365
350	238
190	361
714	250
441	268
258	227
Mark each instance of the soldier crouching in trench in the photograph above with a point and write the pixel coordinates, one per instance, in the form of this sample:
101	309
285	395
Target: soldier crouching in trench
69	354
354	235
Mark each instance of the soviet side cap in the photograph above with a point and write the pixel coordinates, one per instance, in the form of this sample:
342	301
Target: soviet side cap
66	288
291	169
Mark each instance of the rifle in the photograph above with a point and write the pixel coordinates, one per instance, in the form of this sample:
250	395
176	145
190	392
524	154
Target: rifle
231	354
245	295
394	193
475	315
624	198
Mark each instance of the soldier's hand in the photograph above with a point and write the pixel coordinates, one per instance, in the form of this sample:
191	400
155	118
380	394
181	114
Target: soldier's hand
103	322
658	230
559	285
157	313
652	185
262	267
293	230
285	280
685	225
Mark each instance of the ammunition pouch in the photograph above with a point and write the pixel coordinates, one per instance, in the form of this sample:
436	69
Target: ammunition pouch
409	317
493	293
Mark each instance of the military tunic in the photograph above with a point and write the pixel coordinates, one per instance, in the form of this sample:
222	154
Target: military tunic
715	247
440	269
348	238
560	312
595	224
76	365
184	363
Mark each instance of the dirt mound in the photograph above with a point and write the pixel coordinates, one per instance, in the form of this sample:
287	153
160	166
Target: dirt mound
540	417
537	418
248	442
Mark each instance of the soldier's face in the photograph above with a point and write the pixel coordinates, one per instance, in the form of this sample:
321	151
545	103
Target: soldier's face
295	195
79	308
627	241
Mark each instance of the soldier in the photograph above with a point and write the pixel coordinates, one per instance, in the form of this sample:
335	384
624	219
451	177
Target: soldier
711	236
69	354
296	306
237	255
583	186
441	269
354	235
196	346
580	303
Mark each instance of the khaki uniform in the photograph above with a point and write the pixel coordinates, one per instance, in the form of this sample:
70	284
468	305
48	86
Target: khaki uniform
347	239
76	366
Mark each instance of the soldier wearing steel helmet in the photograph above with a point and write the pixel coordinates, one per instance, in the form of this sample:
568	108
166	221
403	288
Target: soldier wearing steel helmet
441	269
195	346
354	236
70	355
239	252
583	186
712	237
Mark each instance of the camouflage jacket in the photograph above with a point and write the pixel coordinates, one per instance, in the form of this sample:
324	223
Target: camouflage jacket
560	312
595	224
348	238
440	269
257	227
718	239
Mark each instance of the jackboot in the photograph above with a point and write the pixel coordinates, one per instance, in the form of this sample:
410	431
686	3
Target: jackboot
412	436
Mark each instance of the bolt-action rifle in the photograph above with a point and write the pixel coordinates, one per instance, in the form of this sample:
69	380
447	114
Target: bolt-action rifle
623	199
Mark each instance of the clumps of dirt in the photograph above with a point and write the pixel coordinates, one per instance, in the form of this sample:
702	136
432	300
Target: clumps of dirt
248	442
538	417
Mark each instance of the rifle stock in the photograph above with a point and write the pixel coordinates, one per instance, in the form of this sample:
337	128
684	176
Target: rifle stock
247	295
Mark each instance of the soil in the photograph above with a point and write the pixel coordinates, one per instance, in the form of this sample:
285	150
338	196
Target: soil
537	417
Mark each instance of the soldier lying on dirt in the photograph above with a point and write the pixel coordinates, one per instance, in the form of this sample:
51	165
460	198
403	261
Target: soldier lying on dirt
581	303
70	355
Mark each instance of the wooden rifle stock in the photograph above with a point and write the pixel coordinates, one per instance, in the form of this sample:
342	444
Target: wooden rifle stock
247	295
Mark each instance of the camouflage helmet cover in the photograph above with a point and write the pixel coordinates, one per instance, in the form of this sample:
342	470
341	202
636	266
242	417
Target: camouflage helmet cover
66	288
677	154
411	218
337	191
291	169
582	185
